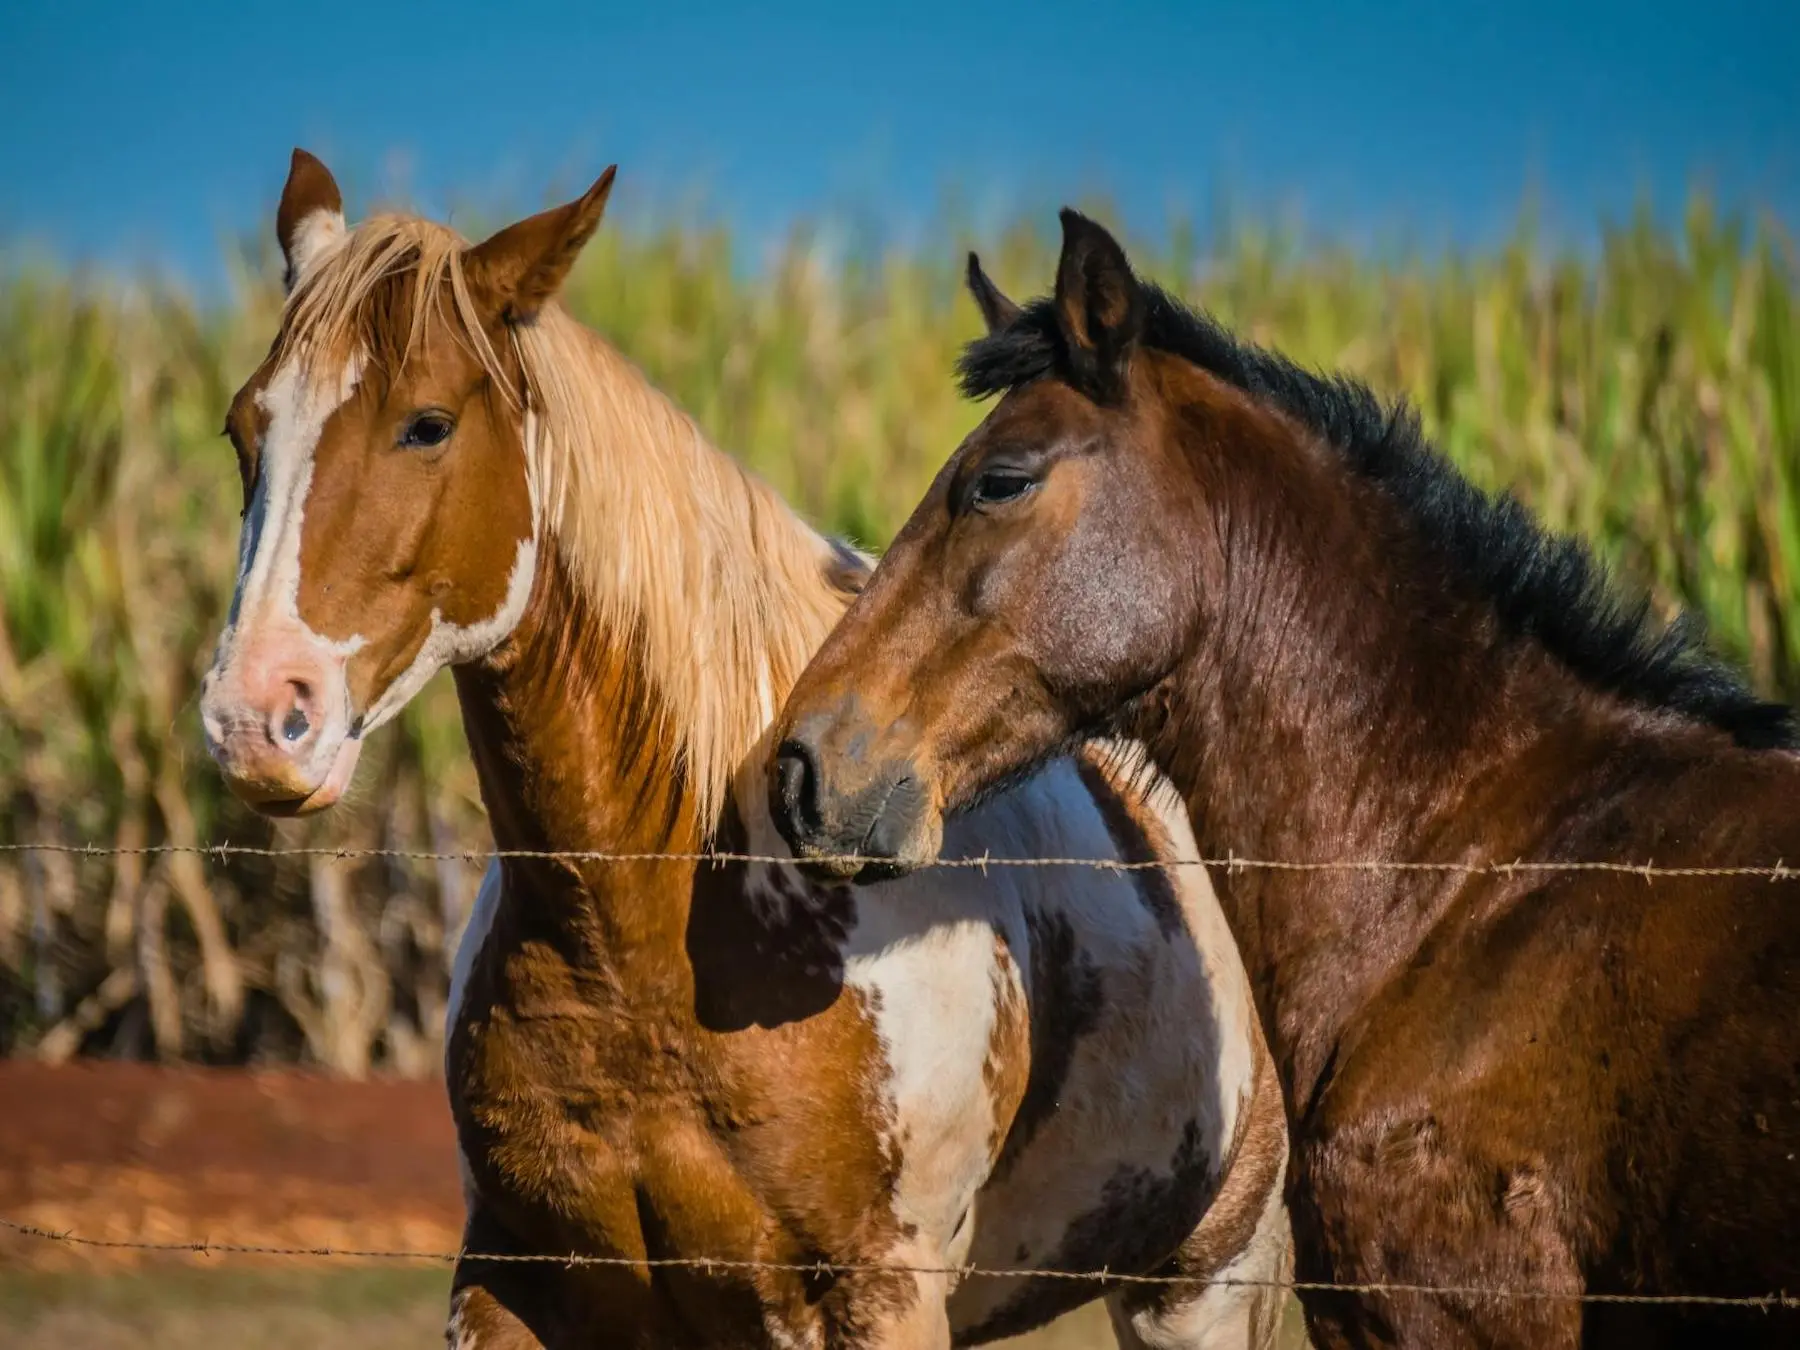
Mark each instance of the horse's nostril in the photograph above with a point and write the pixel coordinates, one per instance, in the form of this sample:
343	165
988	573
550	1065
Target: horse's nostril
294	725
797	780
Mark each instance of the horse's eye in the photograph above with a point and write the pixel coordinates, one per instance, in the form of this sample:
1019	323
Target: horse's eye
427	429
997	486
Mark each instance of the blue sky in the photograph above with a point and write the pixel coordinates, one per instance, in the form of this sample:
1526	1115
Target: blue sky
143	131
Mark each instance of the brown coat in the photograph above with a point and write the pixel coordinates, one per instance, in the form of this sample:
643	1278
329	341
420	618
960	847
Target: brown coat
1555	1082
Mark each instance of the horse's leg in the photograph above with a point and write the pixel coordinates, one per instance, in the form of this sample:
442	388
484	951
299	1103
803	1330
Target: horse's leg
1240	1257
543	1305
480	1318
881	1314
922	1325
1243	1303
489	1299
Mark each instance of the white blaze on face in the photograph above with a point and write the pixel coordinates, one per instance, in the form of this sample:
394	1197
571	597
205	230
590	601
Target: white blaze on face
269	556
264	625
265	622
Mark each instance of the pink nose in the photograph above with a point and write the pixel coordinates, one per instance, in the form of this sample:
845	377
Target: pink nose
264	714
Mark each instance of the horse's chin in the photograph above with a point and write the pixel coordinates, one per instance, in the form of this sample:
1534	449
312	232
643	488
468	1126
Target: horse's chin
327	794
869	864
837	871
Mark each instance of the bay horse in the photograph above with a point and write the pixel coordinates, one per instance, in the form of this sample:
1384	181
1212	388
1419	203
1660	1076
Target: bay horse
651	1060
1573	1082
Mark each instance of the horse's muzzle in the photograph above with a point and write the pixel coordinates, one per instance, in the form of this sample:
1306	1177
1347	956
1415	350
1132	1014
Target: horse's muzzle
844	822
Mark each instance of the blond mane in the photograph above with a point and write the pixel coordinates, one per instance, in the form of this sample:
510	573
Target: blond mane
724	590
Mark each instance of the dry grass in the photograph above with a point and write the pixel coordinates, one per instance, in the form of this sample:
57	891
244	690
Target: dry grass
180	1309
346	1310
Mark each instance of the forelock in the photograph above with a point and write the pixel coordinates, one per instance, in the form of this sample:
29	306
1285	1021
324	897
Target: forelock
377	293
1027	349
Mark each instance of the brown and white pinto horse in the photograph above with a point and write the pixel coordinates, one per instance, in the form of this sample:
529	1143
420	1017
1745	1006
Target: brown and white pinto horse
655	1060
1562	1082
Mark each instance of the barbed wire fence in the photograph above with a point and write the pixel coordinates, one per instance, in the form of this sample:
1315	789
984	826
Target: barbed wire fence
1777	872
1649	871
1103	1278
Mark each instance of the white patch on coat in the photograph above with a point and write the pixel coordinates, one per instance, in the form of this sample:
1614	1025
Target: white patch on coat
922	954
1173	1042
1224	1316
781	1335
1172	1045
449	644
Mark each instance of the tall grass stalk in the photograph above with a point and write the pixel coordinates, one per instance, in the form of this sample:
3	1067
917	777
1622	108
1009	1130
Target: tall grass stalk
1647	396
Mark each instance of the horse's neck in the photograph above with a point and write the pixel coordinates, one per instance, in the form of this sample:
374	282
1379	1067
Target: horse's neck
1339	709
720	590
580	747
568	747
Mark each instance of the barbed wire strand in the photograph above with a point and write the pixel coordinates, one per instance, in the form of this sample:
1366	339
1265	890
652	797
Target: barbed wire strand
220	852
1762	1302
1778	871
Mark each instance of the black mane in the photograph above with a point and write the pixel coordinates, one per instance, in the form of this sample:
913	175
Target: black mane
1545	586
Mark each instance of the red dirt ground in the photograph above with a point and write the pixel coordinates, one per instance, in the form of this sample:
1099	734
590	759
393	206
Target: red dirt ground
137	1153
140	1153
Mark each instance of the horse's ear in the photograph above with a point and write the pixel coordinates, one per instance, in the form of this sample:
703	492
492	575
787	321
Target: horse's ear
996	309
310	218
513	273
1099	308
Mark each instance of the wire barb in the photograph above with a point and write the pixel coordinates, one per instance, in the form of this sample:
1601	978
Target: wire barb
1229	864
